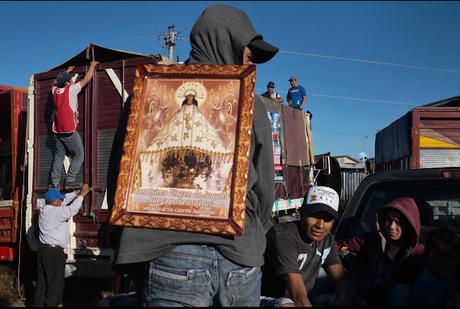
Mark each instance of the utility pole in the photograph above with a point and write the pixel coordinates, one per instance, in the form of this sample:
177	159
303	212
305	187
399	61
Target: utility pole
170	38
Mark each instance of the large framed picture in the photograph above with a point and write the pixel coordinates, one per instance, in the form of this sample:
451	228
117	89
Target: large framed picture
185	156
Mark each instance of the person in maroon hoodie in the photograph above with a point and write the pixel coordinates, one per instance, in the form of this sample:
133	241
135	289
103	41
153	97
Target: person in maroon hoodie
387	261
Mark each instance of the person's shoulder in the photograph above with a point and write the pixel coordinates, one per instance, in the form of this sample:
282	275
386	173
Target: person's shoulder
283	235
76	86
46	209
284	228
58	89
328	240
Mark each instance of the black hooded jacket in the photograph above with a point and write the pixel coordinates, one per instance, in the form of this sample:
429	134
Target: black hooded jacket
220	36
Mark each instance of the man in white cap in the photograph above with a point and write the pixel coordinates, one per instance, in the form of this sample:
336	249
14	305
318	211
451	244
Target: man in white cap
271	94
296	251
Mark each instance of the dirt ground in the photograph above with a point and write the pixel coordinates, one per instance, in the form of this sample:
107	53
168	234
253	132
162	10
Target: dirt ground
78	292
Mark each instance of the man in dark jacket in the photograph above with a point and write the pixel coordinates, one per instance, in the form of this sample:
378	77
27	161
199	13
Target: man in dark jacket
389	260
198	269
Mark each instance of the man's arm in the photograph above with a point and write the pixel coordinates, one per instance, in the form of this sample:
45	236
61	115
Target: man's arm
344	288
67	212
297	290
304	99
279	98
288	98
69	197
89	74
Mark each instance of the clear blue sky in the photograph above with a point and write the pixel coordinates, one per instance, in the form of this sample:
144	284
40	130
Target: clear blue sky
364	64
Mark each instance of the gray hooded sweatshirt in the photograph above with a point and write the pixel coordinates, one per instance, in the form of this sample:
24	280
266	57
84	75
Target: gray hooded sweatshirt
219	36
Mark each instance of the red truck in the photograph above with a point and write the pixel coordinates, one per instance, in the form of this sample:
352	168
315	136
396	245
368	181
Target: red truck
13	104
427	136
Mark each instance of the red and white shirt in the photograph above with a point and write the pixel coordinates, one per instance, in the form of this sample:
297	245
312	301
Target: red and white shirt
65	108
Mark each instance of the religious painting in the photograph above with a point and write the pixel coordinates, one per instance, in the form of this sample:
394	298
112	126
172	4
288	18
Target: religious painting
186	152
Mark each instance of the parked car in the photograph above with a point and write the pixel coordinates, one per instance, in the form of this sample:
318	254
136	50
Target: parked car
435	190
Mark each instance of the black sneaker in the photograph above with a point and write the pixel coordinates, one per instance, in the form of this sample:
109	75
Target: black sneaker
53	186
73	185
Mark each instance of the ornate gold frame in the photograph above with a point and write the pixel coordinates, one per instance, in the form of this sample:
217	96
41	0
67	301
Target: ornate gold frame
217	206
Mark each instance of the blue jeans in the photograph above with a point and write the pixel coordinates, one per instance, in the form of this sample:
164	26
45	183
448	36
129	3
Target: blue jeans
199	276
67	143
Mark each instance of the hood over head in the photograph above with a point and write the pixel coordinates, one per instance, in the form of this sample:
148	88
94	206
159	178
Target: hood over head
409	209
221	35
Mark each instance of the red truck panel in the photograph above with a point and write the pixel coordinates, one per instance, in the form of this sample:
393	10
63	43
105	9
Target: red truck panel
12	134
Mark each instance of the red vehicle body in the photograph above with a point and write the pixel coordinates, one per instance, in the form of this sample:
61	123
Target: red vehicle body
13	103
428	136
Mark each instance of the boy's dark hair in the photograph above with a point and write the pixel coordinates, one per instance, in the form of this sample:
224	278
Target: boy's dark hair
441	237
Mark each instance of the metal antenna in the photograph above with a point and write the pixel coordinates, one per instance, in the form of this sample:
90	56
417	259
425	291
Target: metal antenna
170	38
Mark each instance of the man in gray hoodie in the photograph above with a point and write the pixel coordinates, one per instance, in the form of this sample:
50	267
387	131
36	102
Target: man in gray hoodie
198	269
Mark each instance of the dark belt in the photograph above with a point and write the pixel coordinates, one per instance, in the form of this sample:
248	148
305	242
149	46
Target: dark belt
51	246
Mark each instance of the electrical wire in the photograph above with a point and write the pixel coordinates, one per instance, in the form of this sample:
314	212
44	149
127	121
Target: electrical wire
348	98
362	135
370	61
281	51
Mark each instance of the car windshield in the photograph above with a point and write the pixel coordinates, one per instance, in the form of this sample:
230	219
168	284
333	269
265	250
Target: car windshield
438	201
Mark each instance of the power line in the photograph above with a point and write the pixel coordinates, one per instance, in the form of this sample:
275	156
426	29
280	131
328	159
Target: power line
369	61
353	99
340	132
281	51
358	99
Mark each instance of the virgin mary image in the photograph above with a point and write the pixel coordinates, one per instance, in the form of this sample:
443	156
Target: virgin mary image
187	153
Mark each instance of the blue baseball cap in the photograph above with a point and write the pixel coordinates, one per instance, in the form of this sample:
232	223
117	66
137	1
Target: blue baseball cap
63	76
53	194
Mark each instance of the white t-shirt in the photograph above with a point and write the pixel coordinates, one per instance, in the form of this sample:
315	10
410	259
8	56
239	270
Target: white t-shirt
275	95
